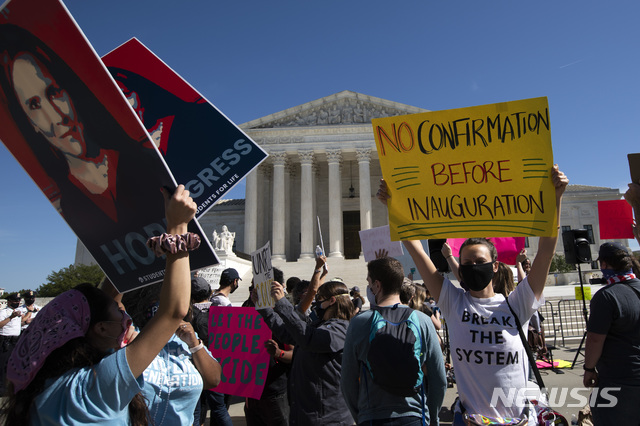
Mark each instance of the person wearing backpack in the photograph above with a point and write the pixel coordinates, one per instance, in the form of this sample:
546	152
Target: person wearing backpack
392	367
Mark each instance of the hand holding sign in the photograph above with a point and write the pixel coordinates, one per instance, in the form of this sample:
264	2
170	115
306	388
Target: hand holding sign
277	291
468	172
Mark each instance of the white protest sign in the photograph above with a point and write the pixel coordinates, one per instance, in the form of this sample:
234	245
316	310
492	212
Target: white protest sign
263	276
375	239
212	274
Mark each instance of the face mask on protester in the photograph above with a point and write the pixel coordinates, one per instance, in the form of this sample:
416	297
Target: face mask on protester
29	301
13	304
126	323
477	277
317	311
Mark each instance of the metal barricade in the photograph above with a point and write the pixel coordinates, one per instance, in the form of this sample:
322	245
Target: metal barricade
551	326
571	318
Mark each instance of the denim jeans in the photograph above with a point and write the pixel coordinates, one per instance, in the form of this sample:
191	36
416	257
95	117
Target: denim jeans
219	413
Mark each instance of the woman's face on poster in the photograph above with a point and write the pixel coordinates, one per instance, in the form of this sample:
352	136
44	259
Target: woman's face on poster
47	105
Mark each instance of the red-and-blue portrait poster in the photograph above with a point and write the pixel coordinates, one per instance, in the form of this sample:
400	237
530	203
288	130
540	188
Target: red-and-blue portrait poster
203	148
70	127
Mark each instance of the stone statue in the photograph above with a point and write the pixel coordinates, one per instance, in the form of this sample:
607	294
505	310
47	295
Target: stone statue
226	239
216	240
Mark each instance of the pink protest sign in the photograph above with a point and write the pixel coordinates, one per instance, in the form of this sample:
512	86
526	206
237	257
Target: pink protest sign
616	219
236	339
508	248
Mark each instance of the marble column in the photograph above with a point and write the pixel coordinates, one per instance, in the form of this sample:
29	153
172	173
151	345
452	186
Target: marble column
364	158
277	229
335	203
306	205
251	212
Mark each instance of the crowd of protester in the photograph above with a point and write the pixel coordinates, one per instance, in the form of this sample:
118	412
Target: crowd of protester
93	355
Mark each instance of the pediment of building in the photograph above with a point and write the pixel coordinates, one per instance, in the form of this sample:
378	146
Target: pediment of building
343	108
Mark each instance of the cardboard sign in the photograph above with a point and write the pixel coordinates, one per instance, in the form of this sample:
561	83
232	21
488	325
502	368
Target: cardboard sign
508	248
70	127
469	172
375	239
263	276
616	219
236	339
203	148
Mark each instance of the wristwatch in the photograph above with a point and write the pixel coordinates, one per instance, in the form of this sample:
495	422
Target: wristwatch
590	370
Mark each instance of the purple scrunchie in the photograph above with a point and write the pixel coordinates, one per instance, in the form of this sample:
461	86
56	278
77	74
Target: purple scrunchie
64	318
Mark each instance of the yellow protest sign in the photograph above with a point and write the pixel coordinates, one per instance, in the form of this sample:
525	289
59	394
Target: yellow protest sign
482	171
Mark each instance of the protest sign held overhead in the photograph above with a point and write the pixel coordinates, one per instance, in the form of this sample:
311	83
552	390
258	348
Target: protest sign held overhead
70	127
263	276
236	339
482	171
375	239
615	218
203	148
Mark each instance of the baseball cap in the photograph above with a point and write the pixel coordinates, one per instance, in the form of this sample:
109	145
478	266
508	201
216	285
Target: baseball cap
199	284
14	296
610	249
228	275
355	288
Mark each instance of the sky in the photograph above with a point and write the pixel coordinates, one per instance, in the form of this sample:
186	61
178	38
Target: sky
254	58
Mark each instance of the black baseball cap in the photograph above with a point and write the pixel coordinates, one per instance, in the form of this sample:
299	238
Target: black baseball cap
610	249
14	297
228	275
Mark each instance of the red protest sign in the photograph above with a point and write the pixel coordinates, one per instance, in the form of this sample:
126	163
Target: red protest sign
236	339
508	247
616	219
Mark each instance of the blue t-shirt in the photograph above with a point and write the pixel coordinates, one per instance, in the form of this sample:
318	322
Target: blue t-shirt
172	384
97	394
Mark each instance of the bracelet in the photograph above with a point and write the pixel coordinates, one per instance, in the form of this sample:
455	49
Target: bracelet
590	370
168	243
195	349
449	256
281	355
317	271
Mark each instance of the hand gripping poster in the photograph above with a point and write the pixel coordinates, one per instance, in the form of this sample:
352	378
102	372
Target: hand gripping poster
72	130
203	148
481	171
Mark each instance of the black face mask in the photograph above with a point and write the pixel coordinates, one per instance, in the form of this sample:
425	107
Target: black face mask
477	277
13	304
317	311
29	302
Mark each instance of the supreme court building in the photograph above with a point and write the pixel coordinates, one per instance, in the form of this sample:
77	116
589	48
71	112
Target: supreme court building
322	164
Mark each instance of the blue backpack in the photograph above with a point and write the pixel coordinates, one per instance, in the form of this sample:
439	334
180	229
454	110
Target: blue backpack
395	350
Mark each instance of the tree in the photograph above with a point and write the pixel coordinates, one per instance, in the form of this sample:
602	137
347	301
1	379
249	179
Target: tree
67	278
559	264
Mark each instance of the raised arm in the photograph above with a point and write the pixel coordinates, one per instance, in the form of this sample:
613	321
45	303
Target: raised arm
451	260
432	278
547	245
317	279
521	257
176	289
633	198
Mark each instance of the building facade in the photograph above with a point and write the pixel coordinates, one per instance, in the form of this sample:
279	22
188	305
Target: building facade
322	174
